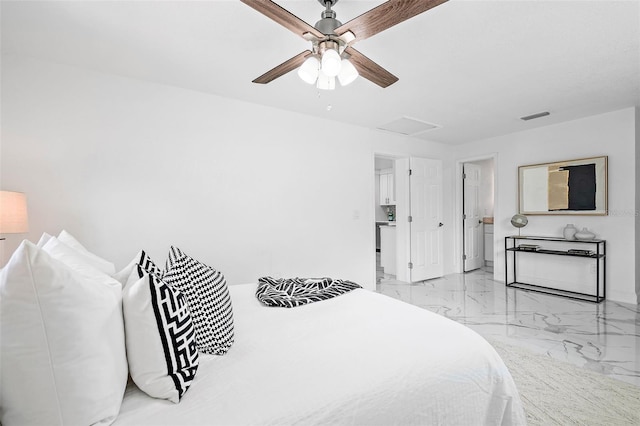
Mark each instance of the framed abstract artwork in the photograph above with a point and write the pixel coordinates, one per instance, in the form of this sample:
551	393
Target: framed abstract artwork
573	187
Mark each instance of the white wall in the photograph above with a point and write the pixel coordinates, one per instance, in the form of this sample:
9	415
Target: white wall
637	198
125	164
611	134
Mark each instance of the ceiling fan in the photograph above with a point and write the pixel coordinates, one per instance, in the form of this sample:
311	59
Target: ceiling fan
332	54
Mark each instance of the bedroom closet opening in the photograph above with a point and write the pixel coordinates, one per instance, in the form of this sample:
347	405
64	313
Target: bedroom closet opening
408	219
478	189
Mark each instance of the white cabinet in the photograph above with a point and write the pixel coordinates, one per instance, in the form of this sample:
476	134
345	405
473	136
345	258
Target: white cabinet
387	188
488	242
388	249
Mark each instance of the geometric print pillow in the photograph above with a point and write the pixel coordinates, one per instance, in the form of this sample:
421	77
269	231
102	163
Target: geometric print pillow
147	264
208	298
141	259
160	337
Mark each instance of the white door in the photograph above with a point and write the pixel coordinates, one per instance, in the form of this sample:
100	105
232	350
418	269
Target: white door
471	207
426	227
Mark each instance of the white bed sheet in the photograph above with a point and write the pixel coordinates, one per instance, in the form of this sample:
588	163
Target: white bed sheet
361	359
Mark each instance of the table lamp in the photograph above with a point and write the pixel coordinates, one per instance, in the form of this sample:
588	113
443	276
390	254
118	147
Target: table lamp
519	221
13	213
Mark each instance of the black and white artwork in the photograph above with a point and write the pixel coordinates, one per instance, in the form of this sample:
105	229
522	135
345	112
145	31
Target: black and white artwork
564	187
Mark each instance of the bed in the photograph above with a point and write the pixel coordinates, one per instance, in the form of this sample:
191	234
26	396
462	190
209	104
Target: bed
359	359
200	352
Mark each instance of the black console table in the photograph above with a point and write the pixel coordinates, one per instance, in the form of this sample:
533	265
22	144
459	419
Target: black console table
592	249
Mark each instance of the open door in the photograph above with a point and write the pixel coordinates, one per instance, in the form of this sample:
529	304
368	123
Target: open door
473	238
425	219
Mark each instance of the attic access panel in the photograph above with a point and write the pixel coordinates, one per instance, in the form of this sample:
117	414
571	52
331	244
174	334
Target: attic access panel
407	126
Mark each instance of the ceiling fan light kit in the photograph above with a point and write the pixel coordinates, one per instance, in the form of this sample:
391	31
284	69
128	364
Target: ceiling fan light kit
323	72
332	55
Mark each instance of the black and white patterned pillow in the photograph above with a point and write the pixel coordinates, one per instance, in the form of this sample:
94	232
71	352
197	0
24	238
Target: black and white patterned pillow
142	259
147	264
208	297
160	337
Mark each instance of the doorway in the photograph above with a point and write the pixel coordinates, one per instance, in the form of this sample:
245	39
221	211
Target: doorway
385	219
478	205
408	211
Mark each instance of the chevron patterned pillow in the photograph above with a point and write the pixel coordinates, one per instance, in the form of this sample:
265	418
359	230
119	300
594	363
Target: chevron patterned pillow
160	336
208	297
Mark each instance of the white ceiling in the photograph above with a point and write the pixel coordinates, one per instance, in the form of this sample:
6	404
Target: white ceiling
470	67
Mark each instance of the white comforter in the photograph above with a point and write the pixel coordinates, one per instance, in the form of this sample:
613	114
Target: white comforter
359	359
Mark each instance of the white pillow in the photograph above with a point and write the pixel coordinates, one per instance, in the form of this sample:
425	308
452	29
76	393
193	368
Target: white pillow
43	239
100	263
62	352
76	260
71	241
161	342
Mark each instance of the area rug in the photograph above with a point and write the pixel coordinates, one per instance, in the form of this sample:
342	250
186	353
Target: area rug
558	393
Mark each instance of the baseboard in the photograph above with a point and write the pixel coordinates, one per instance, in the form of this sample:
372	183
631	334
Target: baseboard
622	297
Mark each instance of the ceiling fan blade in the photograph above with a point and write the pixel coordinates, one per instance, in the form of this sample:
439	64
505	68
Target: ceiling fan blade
283	17
283	68
385	16
370	70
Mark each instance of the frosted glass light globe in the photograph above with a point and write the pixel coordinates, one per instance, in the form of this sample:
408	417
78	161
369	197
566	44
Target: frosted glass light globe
325	82
331	63
308	71
348	73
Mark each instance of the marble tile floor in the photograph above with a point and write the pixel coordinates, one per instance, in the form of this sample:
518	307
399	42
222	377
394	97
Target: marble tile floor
601	337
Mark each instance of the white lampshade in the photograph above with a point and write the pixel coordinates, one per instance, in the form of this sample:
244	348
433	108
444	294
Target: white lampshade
331	62
308	71
13	213
325	82
348	73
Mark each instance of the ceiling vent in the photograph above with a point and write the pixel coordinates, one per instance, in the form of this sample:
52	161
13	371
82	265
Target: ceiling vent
408	126
534	116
